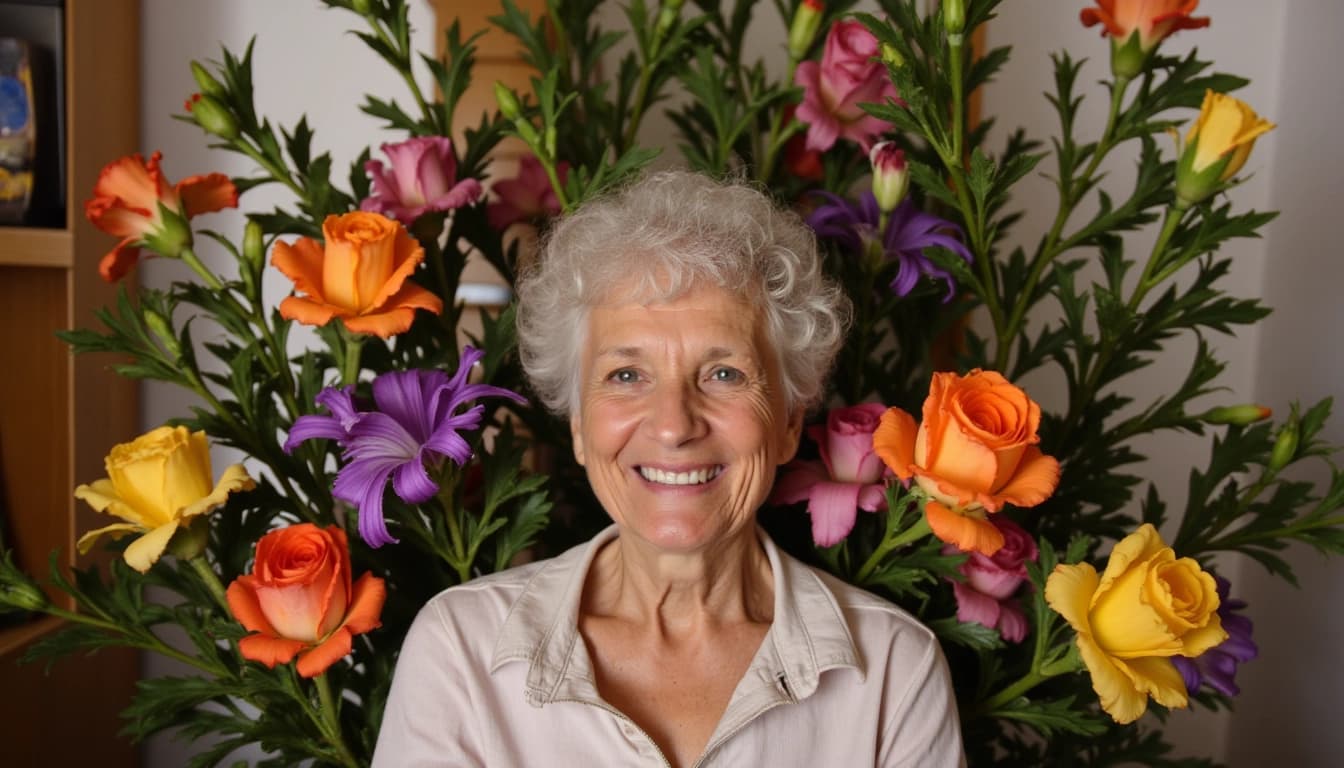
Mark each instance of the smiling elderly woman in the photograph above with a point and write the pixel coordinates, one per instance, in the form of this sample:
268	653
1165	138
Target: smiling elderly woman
683	326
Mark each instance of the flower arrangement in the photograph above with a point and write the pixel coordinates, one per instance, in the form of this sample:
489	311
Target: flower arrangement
387	461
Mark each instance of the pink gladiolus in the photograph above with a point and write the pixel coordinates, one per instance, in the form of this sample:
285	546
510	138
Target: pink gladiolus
422	179
527	196
986	596
847	76
848	477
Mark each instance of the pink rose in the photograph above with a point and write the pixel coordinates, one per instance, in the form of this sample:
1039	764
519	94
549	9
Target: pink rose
832	90
423	179
848	477
527	196
986	596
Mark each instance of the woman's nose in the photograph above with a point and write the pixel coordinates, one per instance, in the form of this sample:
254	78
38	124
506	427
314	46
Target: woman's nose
674	415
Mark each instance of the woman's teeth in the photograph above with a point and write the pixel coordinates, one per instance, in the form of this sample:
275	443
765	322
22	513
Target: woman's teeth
694	477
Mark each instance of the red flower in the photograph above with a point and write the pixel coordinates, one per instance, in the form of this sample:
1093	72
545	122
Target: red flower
132	200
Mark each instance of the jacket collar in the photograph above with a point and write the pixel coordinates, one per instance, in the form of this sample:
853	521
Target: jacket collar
808	635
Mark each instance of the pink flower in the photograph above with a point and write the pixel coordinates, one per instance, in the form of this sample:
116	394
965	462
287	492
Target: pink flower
848	477
526	196
832	90
986	596
423	179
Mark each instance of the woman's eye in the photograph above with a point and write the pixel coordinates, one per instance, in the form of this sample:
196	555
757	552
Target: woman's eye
726	375
624	376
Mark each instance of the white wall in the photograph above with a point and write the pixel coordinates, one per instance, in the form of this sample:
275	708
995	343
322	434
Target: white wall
306	63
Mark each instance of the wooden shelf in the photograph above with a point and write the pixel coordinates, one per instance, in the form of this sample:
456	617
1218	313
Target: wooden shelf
34	247
15	639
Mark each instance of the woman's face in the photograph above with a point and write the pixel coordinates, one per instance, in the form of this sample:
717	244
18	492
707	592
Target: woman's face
682	418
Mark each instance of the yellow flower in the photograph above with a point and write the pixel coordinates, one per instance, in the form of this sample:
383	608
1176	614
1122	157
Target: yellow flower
157	483
1145	608
1217	146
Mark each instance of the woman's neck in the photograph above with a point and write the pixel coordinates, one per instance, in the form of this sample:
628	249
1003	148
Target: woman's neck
677	593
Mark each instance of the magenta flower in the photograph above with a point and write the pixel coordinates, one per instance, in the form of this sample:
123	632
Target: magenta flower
986	596
527	196
847	76
423	179
1218	665
848	477
910	231
415	423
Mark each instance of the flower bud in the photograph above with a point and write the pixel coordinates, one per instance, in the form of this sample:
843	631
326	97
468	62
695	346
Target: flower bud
804	27
211	114
892	57
362	7
1238	415
172	236
891	175
207	82
1216	147
954	16
508	102
667	16
254	247
17	591
1285	447
162	329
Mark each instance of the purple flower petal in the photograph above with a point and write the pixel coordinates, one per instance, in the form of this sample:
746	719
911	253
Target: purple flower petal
833	507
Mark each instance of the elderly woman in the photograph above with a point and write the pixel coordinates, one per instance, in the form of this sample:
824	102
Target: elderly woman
683	326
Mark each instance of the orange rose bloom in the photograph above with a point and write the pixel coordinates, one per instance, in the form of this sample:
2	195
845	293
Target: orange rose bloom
1153	20
132	200
298	599
974	452
362	276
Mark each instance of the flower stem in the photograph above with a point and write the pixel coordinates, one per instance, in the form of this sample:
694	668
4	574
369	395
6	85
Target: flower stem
1023	684
190	258
331	717
892	540
210	579
350	362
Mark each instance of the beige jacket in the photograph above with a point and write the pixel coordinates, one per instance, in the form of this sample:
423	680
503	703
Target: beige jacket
495	673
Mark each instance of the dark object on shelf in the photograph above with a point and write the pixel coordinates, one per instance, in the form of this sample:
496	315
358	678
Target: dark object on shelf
18	131
39	24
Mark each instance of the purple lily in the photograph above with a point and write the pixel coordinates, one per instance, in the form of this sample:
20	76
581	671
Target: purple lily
908	233
415	422
1218	665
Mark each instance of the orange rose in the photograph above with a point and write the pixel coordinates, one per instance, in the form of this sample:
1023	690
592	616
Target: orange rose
1151	20
298	598
975	452
362	276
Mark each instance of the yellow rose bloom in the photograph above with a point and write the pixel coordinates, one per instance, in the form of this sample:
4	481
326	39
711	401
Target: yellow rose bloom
157	483
1217	145
1145	608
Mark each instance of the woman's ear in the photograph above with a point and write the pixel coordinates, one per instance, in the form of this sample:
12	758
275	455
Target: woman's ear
793	433
576	437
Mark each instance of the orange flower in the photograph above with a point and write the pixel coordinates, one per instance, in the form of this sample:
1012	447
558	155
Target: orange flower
361	276
1153	20
298	599
974	452
132	200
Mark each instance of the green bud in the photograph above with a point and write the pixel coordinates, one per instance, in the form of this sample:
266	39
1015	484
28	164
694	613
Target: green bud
508	102
361	7
254	247
164	331
668	16
804	27
892	57
954	16
172	236
17	591
1239	415
211	114
1285	447
206	82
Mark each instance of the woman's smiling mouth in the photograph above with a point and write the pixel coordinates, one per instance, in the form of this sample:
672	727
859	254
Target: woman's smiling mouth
690	477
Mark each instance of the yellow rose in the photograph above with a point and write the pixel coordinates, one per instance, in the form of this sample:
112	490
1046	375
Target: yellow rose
157	483
1217	146
1147	607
